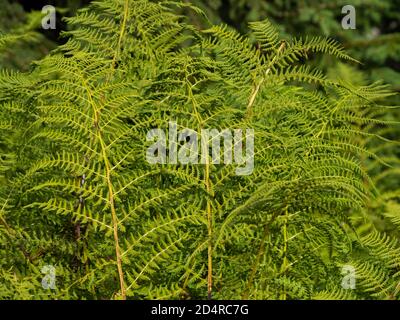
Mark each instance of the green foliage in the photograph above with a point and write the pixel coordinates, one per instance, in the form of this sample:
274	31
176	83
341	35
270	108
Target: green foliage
20	42
375	41
77	192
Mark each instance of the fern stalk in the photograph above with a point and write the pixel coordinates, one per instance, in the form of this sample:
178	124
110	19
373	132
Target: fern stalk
210	233
260	83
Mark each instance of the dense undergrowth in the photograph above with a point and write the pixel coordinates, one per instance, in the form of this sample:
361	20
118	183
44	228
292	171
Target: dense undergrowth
77	192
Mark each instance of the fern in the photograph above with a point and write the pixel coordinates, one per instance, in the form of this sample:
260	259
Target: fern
77	188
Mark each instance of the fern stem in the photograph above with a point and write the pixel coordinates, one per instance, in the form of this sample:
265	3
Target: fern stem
113	215
285	241
3	220
109	169
96	125
249	112
260	253
207	183
121	34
